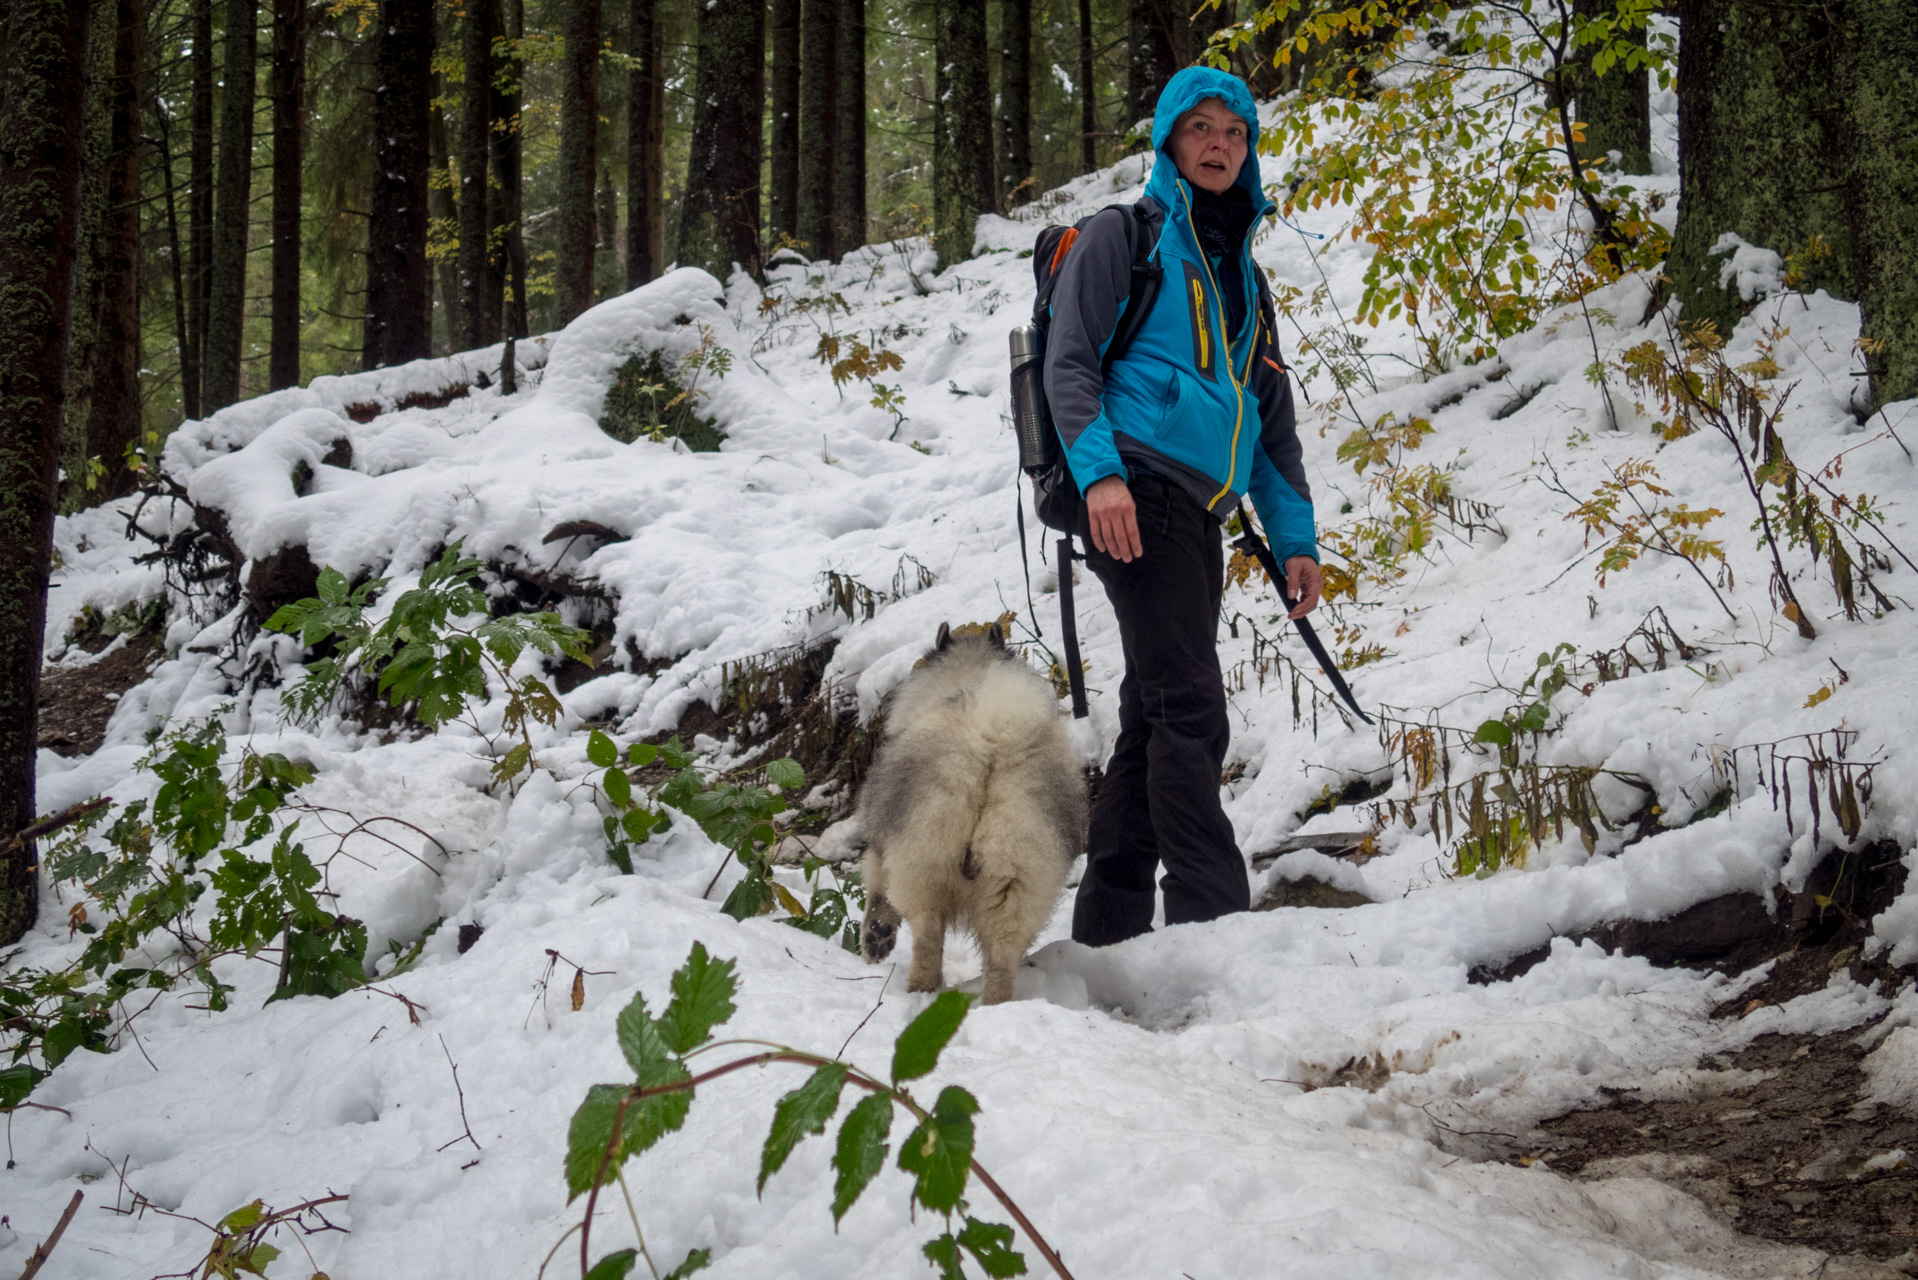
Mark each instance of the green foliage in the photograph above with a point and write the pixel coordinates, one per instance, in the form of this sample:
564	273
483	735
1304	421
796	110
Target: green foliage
1446	129
144	879
648	400
610	1127
422	654
1625	514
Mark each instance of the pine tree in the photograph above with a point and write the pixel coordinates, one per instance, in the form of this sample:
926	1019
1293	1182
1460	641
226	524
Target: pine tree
1158	42
507	261
232	212
645	145
479	314
578	161
962	128
782	192
849	158
199	209
398	322
719	217
113	410
818	123
42	73
442	211
289	121
1015	100
1088	93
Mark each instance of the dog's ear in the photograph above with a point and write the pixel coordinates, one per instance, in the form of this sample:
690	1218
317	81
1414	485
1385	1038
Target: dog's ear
997	635
943	639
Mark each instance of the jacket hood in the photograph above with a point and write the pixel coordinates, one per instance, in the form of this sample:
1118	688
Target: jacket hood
1187	90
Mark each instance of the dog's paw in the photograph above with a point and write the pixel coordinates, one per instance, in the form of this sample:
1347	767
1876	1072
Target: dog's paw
876	938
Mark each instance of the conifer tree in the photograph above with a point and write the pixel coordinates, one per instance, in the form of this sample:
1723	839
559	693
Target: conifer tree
849	157
719	217
782	191
113	407
818	124
645	145
232	211
962	128
479	313
578	159
289	130
1015	99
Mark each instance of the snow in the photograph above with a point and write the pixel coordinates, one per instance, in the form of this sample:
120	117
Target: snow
1189	1077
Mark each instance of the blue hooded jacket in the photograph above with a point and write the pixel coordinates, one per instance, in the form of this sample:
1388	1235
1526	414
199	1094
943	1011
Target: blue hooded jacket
1207	410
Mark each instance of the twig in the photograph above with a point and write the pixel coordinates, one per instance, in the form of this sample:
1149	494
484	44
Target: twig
41	1106
868	1018
468	1135
39	1256
65	818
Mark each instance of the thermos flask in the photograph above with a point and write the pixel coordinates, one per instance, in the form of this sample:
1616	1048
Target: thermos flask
1029	417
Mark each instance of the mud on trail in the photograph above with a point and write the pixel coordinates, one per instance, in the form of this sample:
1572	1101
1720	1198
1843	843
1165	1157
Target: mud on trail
1787	1148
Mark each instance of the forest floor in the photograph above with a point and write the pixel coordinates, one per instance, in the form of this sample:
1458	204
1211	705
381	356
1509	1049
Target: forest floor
1348	1085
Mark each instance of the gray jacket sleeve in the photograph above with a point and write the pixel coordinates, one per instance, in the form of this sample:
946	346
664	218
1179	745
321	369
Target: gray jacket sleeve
1093	283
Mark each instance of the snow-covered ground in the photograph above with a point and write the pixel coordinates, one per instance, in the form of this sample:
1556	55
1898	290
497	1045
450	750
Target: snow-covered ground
1159	1108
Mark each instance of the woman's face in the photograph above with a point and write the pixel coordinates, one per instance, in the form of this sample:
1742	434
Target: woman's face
1209	144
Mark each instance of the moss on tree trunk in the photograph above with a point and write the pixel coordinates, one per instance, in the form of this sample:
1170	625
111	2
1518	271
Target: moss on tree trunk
1881	98
1759	146
1615	107
41	77
962	128
719	218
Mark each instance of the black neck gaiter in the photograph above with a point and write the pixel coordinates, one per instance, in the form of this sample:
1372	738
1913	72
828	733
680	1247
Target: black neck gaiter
1220	222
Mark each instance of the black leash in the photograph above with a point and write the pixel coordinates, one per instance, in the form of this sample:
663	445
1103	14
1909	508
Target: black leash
1253	545
1069	628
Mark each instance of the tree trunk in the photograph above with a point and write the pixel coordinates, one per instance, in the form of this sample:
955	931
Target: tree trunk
232	215
1760	151
849	159
1616	108
289	128
1881	47
1015	102
818	125
113	416
479	313
645	146
443	212
1088	94
578	162
41	78
398	324
782	215
90	255
962	128
719	217
176	258
1157	49
199	210
507	243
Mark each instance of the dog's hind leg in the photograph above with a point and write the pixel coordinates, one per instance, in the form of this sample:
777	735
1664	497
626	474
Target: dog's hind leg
880	929
928	953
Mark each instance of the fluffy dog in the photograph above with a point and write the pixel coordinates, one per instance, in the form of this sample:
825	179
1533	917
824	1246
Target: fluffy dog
973	812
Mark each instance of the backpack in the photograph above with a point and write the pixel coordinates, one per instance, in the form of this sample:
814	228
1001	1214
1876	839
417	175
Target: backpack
1055	495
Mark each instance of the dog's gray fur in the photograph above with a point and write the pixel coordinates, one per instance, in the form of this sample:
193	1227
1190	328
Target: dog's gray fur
973	812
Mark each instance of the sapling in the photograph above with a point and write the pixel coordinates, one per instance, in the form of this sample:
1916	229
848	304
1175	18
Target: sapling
616	1122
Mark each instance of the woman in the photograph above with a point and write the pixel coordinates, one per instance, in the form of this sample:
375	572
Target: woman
1196	414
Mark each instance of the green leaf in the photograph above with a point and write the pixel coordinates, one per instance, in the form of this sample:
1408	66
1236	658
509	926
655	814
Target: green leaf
862	1150
696	1260
641	754
244	1216
805	1110
916	1052
1494	731
513	763
600	750
991	1244
255	1260
785	773
939	1152
17	1081
703	990
619	788
639	824
944	1254
752	896
646	1121
614	1266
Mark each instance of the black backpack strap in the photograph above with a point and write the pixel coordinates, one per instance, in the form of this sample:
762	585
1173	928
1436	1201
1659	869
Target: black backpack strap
1069	628
1025	565
1146	277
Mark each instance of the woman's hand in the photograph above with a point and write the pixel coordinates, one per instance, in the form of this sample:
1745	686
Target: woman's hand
1115	521
1303	583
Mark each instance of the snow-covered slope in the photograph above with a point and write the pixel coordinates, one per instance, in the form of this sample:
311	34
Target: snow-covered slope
1156	1107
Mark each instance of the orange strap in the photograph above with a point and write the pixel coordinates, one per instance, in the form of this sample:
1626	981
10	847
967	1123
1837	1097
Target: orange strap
1059	254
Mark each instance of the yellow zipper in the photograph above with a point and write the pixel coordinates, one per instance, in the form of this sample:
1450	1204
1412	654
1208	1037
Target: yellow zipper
1232	463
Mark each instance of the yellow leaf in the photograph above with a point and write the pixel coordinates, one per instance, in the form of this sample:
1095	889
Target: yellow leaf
579	990
788	901
1824	691
1791	610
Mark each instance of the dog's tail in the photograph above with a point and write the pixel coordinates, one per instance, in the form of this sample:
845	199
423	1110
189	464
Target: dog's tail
880	929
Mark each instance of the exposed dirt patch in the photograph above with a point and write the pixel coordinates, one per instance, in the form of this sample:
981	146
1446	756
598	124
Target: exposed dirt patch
77	702
1795	1155
1784	1159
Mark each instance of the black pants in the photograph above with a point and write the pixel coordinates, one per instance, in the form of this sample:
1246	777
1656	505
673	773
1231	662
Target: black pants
1159	802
